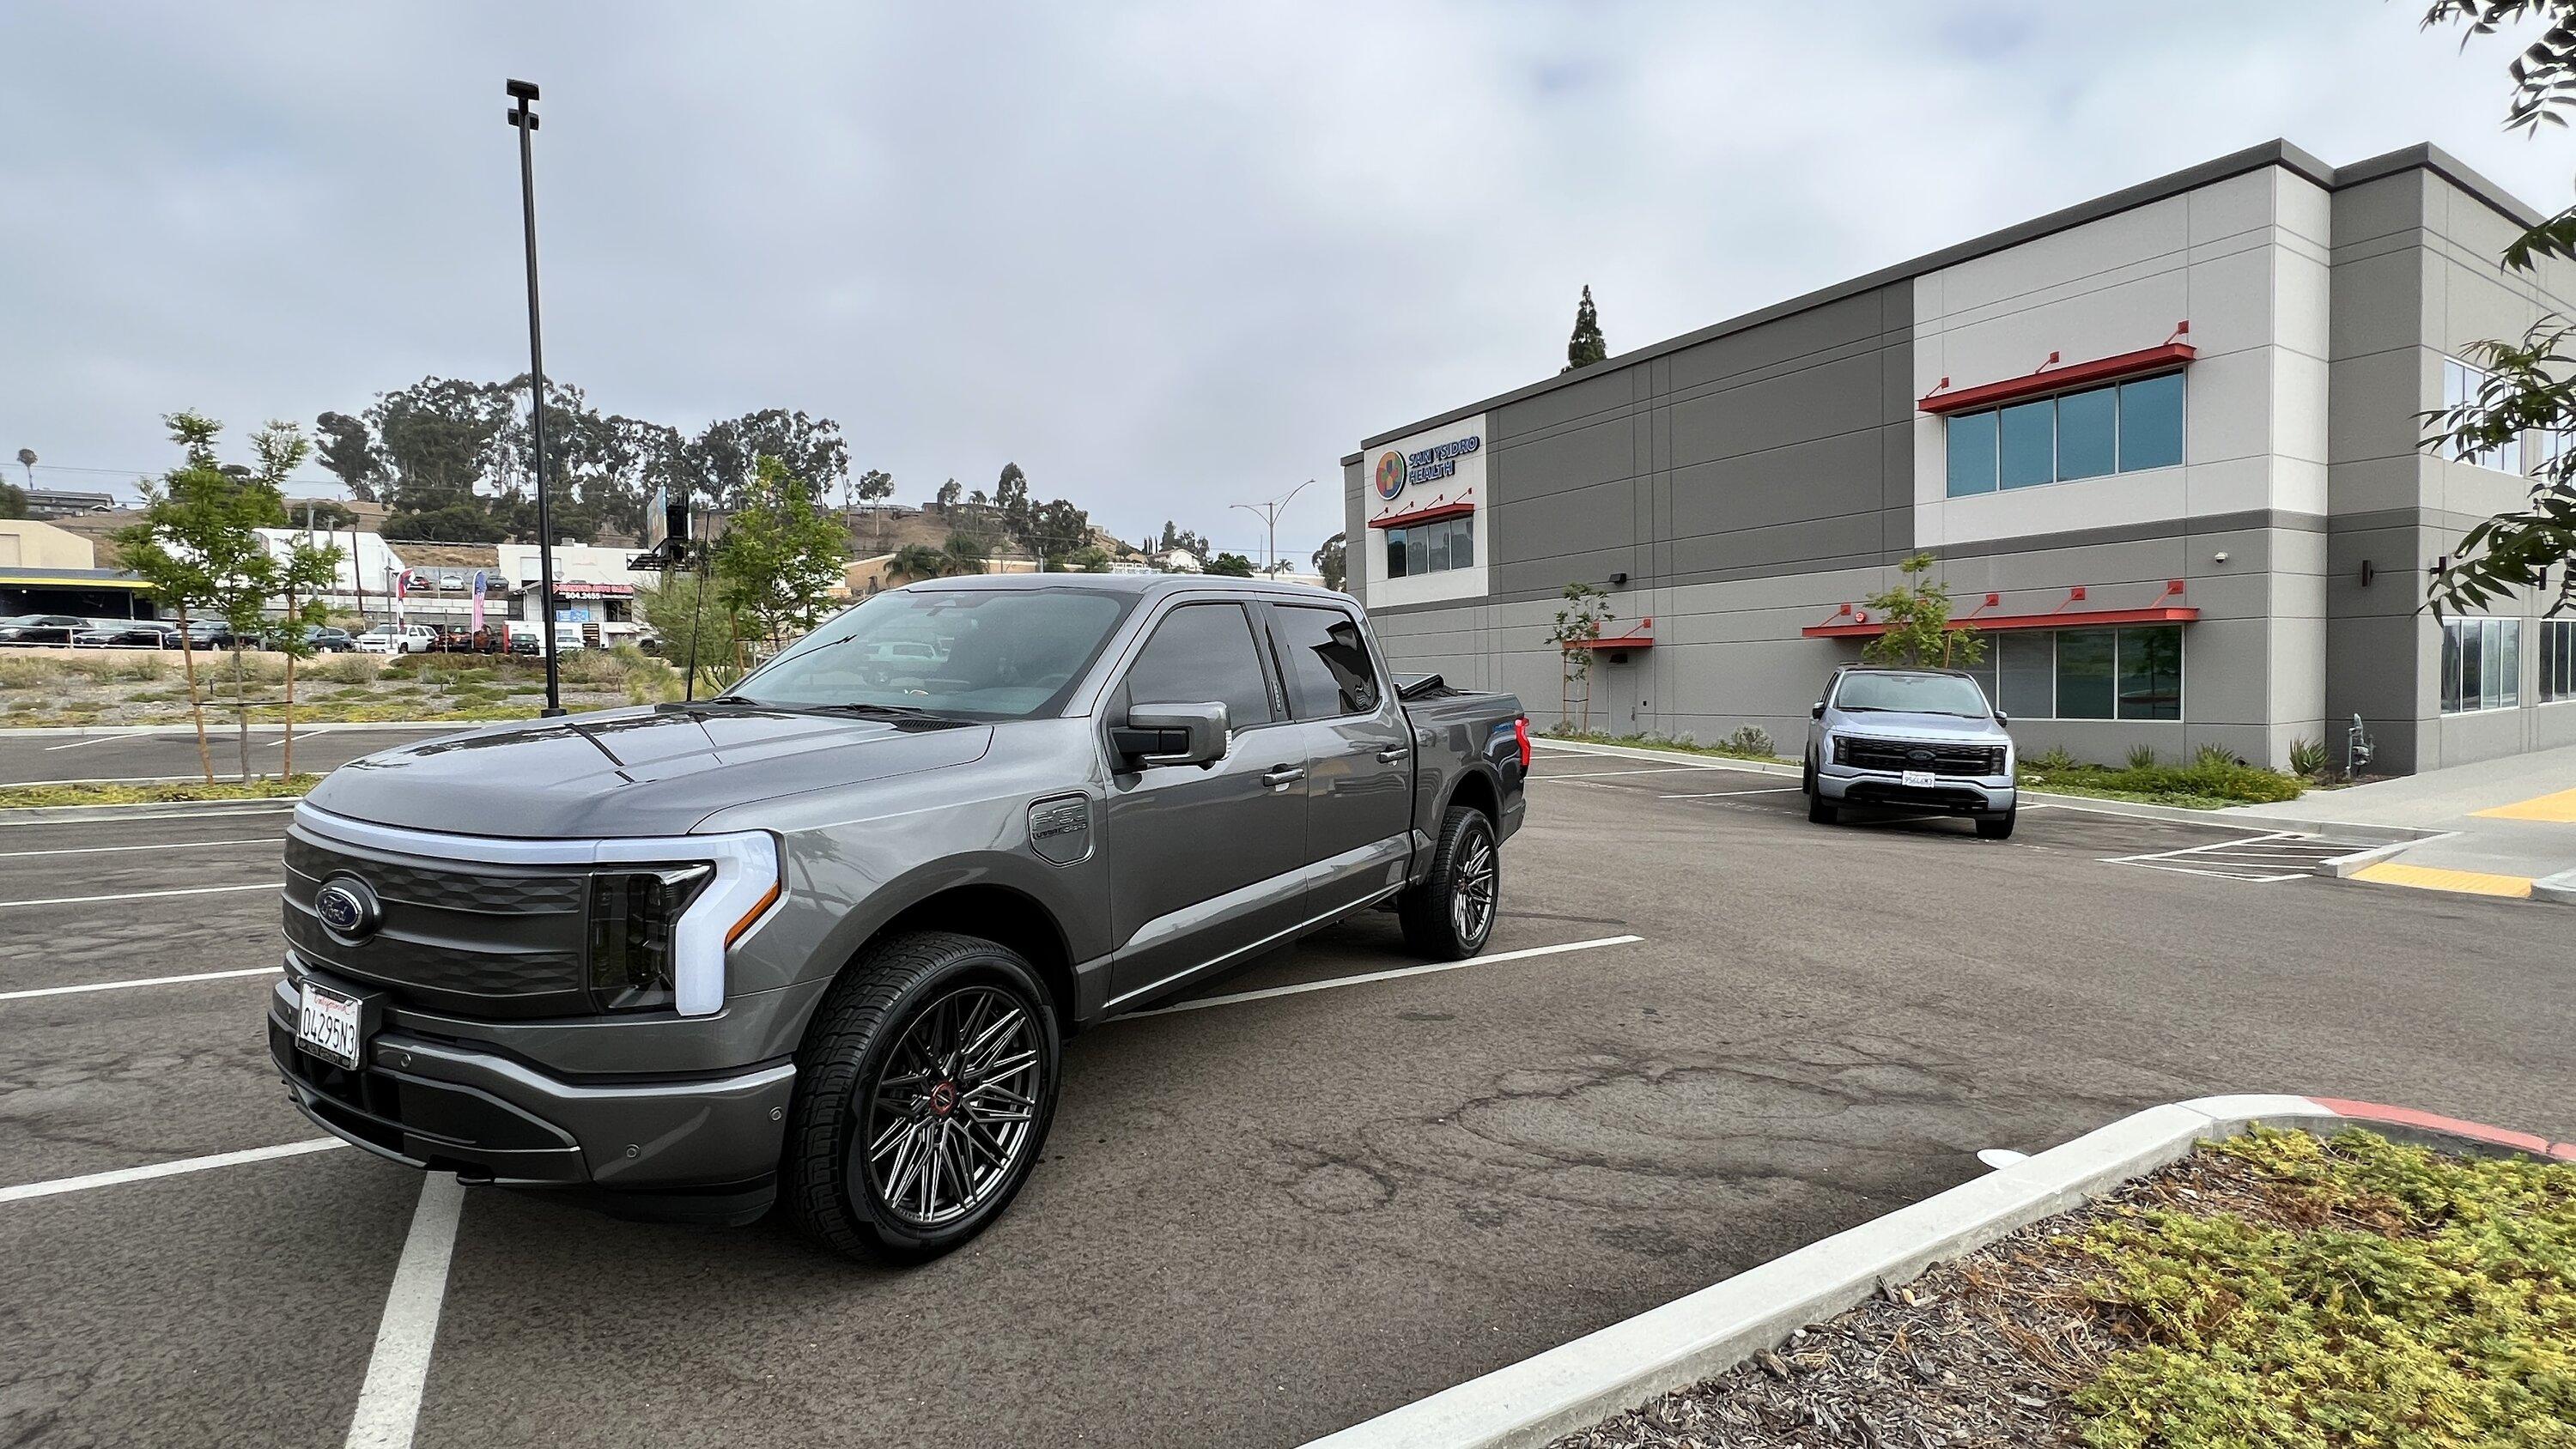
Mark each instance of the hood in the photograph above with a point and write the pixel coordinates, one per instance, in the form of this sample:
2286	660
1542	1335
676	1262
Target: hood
1904	725
652	771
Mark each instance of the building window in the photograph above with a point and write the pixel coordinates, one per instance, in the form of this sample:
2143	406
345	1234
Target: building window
2557	660
2125	674
2123	428
2461	384
2481	664
1430	548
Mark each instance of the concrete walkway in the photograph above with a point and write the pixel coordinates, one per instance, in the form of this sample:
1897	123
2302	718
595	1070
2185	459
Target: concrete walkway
2508	822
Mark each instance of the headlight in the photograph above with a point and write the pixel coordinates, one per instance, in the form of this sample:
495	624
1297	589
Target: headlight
633	921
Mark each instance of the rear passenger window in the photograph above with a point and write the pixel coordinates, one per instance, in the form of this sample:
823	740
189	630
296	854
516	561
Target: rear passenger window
1326	660
1203	652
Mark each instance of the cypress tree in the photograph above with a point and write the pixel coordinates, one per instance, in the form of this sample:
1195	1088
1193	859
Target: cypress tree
1586	347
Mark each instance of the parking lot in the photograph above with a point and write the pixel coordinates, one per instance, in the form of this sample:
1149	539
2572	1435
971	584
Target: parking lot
37	757
1259	1219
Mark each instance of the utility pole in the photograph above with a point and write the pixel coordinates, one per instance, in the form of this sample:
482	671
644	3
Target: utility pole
524	121
1269	512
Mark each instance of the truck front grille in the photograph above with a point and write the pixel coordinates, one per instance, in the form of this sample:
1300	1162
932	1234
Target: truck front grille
1940	759
481	940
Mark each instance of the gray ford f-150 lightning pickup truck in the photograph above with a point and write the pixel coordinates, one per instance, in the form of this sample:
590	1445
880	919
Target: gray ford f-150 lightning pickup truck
816	941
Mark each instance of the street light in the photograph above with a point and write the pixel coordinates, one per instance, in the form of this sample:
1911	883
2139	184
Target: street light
524	121
1268	513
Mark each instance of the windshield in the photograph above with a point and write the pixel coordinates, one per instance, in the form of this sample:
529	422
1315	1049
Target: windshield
981	654
1912	694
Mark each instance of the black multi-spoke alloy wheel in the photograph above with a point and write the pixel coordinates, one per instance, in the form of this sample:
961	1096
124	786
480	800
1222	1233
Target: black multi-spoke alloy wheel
1451	914
924	1088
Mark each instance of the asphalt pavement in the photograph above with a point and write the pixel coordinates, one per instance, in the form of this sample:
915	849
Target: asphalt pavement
1260	1219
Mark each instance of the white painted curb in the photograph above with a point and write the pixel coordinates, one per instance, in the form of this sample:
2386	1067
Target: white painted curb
1578	1384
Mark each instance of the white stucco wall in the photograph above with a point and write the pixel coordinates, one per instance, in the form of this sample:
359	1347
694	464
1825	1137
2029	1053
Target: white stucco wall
1467	484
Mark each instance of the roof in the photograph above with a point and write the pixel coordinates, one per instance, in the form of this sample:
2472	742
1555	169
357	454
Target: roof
2236	163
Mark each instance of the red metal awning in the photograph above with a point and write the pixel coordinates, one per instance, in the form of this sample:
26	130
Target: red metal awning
1643	638
2165	358
1854	623
1430	513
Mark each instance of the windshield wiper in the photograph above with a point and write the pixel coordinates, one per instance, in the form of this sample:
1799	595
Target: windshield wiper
886	711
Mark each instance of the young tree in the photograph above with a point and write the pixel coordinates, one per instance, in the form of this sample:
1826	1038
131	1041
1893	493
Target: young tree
699	629
1089	559
1586	346
1230	566
306	570
781	554
1917	612
1586	609
13	501
2530	385
1333	561
966	553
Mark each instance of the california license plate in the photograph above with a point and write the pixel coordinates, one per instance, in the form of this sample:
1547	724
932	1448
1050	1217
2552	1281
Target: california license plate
1919	779
329	1025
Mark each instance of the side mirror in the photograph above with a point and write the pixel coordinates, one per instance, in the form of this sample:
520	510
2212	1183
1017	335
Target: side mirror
1816	710
1171	734
2002	719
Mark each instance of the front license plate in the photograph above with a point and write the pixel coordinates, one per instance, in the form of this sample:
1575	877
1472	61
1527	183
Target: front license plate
327	1025
1919	779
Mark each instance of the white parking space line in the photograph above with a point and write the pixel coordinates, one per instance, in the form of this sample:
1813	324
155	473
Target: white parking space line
162	845
82	744
2253	860
389	1403
60	1185
265	885
145	981
1722	794
1402	971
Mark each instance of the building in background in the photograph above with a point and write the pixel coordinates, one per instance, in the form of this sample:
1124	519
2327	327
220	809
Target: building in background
2164	445
43	503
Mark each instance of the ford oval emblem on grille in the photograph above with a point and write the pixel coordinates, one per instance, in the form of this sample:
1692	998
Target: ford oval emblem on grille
1920	757
348	909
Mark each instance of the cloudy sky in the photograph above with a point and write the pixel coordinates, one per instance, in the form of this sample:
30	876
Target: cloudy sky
1168	258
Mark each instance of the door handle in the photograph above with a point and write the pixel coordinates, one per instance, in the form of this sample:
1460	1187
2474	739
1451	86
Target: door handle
1279	777
1391	754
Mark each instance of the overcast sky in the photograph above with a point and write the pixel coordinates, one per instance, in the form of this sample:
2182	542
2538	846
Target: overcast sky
1167	258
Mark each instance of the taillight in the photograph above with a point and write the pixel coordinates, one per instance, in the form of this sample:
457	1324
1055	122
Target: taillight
1520	736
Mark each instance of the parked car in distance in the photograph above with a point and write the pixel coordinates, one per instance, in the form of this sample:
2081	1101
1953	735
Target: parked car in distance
47	628
201	635
1913	739
129	634
816	942
328	638
397	639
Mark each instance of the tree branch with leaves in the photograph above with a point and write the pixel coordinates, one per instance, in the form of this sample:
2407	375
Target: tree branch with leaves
1919	633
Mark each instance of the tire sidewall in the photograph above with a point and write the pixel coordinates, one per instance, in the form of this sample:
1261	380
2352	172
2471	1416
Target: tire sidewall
989	966
1470	824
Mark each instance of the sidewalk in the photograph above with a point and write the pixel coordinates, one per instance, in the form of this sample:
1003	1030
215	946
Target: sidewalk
2508	823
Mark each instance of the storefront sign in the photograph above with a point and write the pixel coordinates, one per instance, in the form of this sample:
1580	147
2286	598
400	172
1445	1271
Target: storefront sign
1398	471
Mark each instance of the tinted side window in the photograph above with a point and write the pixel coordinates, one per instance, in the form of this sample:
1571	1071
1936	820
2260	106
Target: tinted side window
1203	652
1326	660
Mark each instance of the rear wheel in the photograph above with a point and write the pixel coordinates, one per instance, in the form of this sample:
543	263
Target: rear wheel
1451	914
925	1087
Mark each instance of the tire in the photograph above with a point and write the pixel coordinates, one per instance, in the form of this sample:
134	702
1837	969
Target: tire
1450	916
865	1050
1997	827
1821	811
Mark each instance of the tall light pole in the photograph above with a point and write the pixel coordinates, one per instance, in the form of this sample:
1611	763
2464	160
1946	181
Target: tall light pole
524	121
1268	513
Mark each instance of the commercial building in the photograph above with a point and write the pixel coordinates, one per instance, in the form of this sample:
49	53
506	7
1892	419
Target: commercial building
2164	445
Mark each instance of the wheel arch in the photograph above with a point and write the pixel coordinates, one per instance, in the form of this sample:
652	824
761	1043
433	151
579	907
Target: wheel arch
995	912
1478	790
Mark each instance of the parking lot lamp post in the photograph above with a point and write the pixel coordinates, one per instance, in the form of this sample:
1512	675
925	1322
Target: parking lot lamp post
524	121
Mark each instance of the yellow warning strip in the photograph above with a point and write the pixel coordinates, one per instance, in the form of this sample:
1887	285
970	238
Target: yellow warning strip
2560	808
2432	878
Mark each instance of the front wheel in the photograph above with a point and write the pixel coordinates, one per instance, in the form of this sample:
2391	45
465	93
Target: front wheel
925	1086
1997	827
1450	916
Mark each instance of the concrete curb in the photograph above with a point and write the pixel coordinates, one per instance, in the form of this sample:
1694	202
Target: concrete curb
1578	1384
2175	814
136	810
2560	888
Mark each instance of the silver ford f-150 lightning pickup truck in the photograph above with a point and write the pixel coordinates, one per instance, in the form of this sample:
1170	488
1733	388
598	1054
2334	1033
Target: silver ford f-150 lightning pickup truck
816	942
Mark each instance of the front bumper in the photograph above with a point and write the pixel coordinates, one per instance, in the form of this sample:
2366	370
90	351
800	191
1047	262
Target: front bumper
448	1106
1956	794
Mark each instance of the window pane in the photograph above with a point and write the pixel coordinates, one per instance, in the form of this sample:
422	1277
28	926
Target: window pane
2151	673
1984	673
2455	383
2028	447
2450	666
1417	550
1327	662
2507	664
2025	663
1395	555
2088	433
2084	682
1199	653
1972	454
1435	548
1462	543
2151	423
2470	665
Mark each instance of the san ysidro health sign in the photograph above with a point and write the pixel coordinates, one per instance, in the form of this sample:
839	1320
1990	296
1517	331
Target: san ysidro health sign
1398	470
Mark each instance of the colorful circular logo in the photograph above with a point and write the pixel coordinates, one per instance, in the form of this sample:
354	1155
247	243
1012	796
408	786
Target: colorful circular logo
1390	474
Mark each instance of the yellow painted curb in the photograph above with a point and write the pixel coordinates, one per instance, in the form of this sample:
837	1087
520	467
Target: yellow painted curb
2559	808
2432	878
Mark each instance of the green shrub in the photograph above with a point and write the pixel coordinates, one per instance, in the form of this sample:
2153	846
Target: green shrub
1749	739
2309	758
345	668
2142	757
2216	755
2051	760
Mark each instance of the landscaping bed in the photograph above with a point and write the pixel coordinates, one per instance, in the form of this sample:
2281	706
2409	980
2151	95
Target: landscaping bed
136	687
2274	1289
111	792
